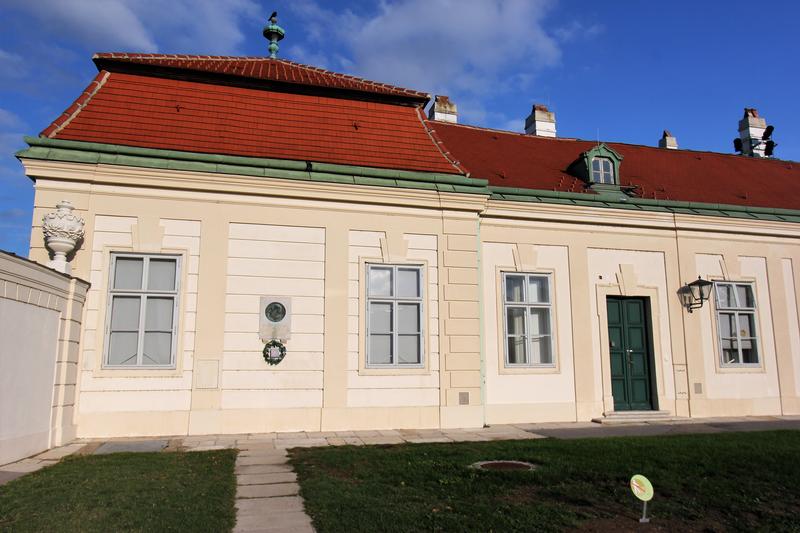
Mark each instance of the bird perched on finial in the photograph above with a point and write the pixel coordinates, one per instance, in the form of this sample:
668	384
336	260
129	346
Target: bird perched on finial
274	17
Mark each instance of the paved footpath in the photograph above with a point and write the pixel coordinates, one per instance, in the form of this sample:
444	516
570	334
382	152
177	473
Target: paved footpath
267	493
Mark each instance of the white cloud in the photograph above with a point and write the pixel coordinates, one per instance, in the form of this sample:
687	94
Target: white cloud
9	120
12	66
577	30
442	46
206	26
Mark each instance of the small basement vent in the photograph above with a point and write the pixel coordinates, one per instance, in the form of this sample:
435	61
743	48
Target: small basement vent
463	398
698	388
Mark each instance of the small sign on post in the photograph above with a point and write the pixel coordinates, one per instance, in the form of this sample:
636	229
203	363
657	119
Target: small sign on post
642	489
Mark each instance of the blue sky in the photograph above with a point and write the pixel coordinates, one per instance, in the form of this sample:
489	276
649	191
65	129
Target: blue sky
627	69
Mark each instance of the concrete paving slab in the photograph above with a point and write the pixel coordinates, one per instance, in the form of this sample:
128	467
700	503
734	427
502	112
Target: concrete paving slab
289	521
6	477
255	469
300	443
206	448
27	465
261	459
60	452
382	440
292	435
267	491
132	446
269	506
422	440
265	478
249	479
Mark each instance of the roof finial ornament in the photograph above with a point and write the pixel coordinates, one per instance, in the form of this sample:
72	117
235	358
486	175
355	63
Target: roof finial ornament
273	33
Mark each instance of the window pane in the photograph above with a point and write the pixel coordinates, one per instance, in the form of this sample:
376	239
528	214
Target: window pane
749	351
597	176
725	295
158	314
122	348
538	290
745	294
514	289
380	317
540	322
596	164
157	349
408	349
541	353
727	325
408	282
607	166
128	273
125	313
408	318
515	321
609	178
380	281
380	349
747	326
730	354
516	351
161	276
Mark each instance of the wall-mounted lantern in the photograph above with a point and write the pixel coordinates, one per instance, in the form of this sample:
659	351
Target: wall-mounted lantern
694	294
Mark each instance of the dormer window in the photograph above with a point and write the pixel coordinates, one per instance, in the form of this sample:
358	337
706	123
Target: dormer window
599	168
603	171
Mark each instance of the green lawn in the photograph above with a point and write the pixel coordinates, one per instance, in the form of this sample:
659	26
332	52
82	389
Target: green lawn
125	492
732	481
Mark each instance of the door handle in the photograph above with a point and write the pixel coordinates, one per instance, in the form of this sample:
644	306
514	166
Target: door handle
628	356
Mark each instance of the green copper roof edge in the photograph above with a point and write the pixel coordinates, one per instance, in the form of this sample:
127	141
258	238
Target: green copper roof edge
227	162
726	210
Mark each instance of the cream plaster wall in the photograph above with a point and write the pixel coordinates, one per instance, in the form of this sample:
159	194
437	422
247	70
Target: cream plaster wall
241	237
271	260
40	327
412	388
535	394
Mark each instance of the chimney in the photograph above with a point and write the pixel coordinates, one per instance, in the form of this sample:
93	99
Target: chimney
668	141
443	109
751	132
541	122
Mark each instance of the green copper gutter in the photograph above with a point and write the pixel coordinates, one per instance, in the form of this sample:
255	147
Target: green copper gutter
96	153
112	154
619	200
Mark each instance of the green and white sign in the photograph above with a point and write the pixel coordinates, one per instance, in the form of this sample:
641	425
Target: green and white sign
642	488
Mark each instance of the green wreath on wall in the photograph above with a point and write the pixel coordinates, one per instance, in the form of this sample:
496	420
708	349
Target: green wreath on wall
274	352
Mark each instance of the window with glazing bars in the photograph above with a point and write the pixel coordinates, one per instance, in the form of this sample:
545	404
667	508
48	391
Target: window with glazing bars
603	170
736	320
142	311
394	316
527	313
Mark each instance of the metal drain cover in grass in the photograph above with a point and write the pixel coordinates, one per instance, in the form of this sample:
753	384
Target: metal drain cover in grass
503	466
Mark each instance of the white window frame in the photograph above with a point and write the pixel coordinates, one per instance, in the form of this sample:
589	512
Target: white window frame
605	177
395	300
737	310
143	293
527	306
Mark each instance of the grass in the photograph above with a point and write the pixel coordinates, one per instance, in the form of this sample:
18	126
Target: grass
732	481
125	492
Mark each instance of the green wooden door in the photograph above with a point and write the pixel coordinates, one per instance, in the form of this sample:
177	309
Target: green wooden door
628	335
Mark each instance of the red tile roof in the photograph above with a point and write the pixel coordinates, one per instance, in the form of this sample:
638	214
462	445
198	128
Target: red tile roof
258	68
158	112
516	160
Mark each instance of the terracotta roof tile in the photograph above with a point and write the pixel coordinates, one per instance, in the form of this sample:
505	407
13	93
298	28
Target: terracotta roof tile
155	112
509	159
261	68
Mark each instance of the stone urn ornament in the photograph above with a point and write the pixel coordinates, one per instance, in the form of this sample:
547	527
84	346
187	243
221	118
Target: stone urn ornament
63	231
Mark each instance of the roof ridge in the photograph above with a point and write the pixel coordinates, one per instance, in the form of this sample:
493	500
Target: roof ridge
77	106
309	68
635	145
439	144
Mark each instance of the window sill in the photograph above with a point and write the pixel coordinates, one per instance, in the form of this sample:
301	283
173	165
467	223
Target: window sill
395	371
527	370
740	369
137	372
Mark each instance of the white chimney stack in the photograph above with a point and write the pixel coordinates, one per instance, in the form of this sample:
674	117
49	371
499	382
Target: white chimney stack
541	122
751	131
668	141
443	109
